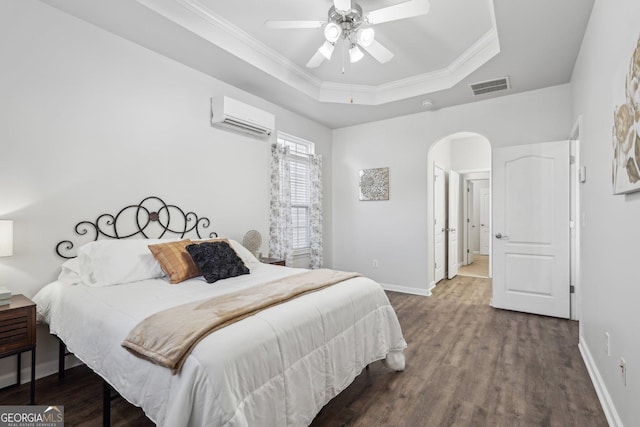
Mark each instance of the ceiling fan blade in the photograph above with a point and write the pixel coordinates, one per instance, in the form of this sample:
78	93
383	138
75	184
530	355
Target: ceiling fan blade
378	51
408	9
315	60
285	25
342	5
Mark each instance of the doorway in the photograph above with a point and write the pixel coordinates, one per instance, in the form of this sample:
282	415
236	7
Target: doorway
453	161
477	216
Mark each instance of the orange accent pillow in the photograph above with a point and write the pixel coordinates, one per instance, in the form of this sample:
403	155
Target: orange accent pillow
175	261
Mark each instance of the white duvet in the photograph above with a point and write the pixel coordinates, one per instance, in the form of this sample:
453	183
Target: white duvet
276	368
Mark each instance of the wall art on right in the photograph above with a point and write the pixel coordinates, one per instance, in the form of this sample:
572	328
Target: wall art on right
626	129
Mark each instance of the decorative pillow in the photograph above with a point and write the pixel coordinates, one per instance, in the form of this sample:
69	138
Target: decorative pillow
112	262
217	260
175	261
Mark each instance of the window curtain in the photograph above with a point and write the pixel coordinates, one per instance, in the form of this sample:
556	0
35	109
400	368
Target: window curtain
315	211
280	245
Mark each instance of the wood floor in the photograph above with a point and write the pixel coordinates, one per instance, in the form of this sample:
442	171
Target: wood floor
467	365
478	268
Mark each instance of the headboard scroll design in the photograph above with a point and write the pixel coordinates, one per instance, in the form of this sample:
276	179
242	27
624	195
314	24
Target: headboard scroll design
152	214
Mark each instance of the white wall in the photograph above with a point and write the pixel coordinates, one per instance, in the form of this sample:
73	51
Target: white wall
396	232
90	123
470	153
610	283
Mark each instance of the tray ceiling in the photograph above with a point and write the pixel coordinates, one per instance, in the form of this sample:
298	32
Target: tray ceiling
437	55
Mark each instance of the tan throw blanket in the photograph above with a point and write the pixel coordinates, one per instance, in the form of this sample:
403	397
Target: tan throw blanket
167	337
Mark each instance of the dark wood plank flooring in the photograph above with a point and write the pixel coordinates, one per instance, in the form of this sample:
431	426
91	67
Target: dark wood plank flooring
467	365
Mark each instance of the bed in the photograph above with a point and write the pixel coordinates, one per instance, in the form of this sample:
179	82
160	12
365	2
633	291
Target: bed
277	367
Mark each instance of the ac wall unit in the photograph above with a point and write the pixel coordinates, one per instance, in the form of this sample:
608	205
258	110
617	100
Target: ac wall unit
232	114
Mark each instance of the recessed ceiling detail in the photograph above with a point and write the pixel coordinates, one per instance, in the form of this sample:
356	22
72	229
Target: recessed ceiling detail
199	19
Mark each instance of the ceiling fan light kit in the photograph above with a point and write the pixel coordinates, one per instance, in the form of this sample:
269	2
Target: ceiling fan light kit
355	54
366	37
332	32
327	49
347	20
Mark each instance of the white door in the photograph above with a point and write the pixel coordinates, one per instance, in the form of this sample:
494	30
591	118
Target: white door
471	228
531	228
439	217
452	218
484	221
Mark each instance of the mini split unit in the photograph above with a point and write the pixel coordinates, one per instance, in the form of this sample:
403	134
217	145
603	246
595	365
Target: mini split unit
237	116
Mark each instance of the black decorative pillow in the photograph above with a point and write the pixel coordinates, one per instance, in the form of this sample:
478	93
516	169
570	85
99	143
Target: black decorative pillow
217	260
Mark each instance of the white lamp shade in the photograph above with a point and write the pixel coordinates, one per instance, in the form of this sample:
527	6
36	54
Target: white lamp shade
332	32
366	36
327	49
355	54
6	237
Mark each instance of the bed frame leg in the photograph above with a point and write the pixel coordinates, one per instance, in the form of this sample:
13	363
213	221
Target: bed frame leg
62	350
106	404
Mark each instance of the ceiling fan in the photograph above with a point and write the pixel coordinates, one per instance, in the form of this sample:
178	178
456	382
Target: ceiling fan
347	20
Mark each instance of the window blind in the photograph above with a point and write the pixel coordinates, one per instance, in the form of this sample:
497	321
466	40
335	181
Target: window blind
300	188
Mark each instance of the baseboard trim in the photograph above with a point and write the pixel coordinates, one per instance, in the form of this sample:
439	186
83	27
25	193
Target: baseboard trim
432	286
601	390
407	290
43	369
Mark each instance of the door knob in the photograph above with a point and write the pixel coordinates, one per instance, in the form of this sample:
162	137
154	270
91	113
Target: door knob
500	236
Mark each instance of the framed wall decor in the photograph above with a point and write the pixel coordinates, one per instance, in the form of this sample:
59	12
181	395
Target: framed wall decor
626	127
374	184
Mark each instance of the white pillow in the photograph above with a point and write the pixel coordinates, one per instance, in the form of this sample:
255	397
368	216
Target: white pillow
112	262
70	272
244	253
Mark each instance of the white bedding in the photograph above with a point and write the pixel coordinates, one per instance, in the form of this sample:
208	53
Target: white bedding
276	368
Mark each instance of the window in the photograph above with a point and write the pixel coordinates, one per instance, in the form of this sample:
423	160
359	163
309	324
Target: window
300	189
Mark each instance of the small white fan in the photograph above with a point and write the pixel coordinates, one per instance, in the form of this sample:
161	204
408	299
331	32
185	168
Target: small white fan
252	240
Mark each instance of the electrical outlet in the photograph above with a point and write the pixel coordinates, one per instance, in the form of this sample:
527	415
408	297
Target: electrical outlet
623	370
375	263
607	343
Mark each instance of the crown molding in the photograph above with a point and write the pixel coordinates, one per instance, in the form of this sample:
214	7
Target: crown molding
197	18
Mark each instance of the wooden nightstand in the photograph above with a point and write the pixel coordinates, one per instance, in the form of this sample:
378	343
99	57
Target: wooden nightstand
18	334
273	261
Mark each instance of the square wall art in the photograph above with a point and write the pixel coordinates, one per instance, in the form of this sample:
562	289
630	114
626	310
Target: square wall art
374	184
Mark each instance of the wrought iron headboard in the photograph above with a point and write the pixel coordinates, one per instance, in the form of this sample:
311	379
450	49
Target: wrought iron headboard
151	211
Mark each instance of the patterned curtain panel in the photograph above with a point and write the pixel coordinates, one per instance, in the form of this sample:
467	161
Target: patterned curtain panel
280	205
315	211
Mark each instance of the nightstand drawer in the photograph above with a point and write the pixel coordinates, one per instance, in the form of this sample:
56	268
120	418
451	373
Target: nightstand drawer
17	329
18	334
14	330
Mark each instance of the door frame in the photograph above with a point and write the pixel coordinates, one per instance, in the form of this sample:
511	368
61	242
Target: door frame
453	230
444	239
574	210
485	191
472	175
